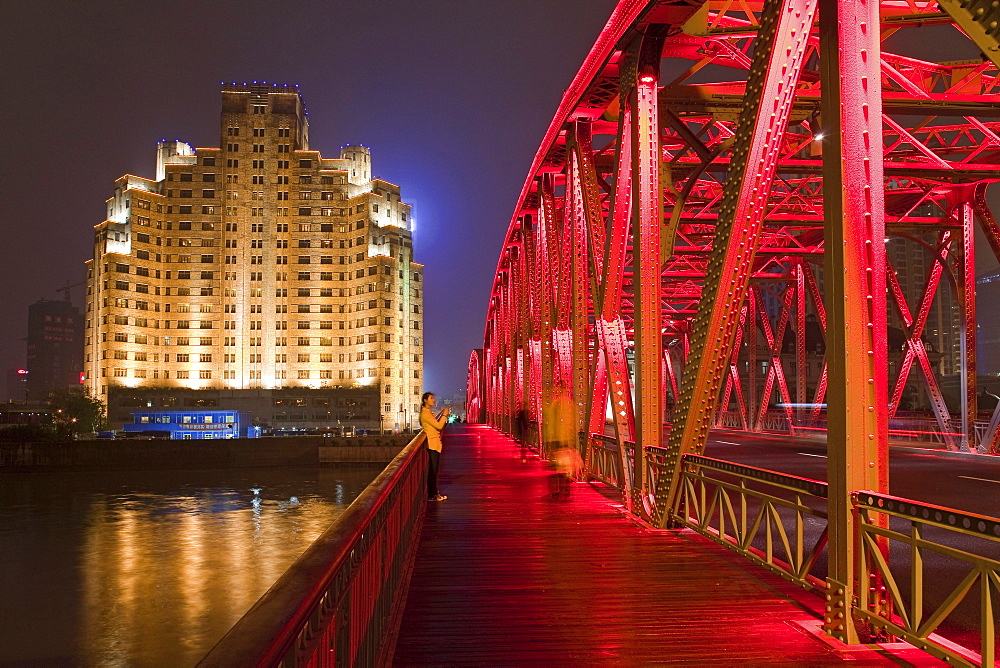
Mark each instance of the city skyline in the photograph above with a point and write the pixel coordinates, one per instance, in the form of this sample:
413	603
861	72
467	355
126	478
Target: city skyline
386	76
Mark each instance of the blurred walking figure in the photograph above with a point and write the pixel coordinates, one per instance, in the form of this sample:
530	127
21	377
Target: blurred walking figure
432	426
559	429
521	434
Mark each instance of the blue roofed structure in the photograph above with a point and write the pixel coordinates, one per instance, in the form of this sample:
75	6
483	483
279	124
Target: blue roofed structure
194	424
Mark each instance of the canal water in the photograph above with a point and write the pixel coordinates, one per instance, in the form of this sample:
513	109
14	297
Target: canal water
150	568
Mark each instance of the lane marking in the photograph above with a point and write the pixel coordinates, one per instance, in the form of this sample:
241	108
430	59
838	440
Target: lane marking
807	454
969	477
727	442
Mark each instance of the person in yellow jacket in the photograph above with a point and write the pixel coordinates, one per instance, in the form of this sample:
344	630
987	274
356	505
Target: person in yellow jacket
432	427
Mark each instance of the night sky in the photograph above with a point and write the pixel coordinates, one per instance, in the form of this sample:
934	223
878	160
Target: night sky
452	96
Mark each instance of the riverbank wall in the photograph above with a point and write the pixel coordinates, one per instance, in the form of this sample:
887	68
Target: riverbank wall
133	454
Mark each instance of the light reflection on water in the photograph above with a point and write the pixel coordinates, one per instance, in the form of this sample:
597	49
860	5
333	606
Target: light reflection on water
150	569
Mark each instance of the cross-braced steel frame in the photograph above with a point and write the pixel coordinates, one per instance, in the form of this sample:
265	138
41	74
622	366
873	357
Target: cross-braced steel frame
702	238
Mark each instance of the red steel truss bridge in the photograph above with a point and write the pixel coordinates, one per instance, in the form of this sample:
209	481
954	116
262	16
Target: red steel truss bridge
720	229
708	236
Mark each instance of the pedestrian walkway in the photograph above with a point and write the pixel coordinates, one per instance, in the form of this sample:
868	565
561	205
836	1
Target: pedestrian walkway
505	576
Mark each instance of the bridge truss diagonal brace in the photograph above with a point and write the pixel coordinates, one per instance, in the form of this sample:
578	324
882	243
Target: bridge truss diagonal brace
916	351
857	434
978	18
782	43
611	328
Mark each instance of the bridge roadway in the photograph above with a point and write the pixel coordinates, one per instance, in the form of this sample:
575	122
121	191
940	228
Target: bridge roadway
506	576
956	480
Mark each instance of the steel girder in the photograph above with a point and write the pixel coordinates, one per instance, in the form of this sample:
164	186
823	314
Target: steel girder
857	423
639	89
672	244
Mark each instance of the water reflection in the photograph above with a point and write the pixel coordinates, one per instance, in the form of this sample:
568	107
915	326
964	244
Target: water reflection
150	570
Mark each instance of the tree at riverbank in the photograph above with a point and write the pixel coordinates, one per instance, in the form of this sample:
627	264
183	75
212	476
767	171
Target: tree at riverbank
27	433
76	411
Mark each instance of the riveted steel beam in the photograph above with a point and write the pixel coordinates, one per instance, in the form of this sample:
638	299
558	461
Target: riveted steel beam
801	370
610	325
646	219
991	440
966	280
857	432
980	19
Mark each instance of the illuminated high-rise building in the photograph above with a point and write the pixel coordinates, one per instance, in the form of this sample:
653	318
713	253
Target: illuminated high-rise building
257	270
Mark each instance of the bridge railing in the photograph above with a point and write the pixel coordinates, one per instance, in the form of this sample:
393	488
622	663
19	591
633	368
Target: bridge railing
779	521
338	603
774	519
605	461
941	538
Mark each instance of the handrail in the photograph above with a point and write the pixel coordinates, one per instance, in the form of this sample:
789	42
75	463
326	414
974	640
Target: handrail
766	522
775	478
316	605
912	618
932	515
604	463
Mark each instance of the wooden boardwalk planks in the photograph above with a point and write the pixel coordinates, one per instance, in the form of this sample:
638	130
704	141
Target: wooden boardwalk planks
505	576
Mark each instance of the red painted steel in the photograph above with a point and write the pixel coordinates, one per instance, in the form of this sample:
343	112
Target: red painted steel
570	285
714	171
857	431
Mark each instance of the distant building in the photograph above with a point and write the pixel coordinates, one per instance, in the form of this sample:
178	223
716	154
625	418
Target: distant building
988	324
17	384
259	266
55	347
35	412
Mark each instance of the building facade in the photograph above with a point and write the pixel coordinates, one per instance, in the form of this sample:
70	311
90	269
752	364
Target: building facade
55	347
988	324
257	265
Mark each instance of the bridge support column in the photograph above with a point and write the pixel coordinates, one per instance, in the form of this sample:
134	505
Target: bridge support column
646	208
967	302
854	210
